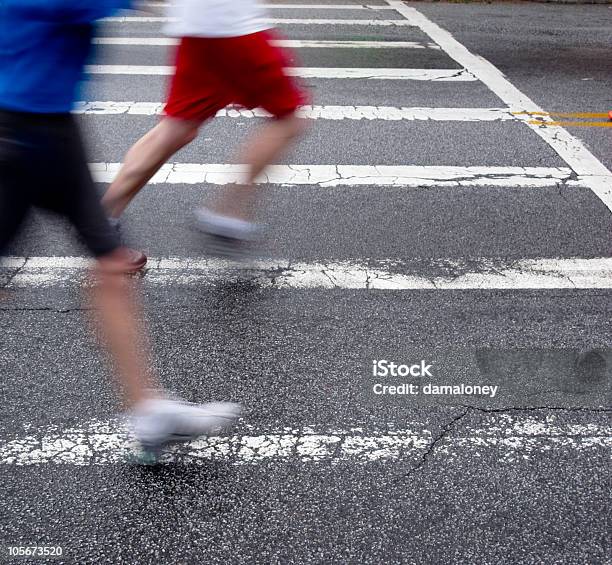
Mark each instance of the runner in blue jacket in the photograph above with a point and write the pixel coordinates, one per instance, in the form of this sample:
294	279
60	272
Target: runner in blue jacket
44	45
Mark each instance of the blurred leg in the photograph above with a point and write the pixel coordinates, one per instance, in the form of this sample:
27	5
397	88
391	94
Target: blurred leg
113	295
71	191
14	181
13	206
270	143
117	316
145	158
253	69
13	209
265	147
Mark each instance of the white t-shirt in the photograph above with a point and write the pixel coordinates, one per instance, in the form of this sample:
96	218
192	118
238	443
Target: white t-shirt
215	18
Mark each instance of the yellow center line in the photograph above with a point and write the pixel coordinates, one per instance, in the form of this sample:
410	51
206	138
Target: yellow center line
572	124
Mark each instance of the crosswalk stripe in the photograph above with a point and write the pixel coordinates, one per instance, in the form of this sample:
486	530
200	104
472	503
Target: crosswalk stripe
289	43
509	438
592	171
388	113
353	175
271	21
375	7
372	7
478	274
437	75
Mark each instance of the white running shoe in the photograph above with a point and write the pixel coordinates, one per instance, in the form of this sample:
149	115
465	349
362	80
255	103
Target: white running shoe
159	422
227	237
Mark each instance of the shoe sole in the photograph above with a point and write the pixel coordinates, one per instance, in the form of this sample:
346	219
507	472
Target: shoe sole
226	247
150	454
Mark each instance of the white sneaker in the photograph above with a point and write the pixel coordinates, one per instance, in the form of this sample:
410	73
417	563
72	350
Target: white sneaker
158	422
227	237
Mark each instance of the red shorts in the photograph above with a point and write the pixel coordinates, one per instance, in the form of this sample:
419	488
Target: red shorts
247	70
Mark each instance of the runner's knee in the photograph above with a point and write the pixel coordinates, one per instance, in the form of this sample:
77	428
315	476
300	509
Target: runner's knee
292	125
178	133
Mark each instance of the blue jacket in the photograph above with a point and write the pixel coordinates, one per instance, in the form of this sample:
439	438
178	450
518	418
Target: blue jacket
44	45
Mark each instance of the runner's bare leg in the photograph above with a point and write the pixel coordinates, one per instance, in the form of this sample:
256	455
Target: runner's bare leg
145	158
117	316
265	147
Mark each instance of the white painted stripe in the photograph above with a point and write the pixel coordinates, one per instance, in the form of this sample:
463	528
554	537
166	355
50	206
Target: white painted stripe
289	43
374	7
507	438
351	175
271	21
159	41
329	44
592	172
128	107
483	274
438	75
387	113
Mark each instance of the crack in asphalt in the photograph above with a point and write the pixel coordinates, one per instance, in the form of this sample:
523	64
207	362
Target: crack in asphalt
14	274
394	180
46	309
563	183
370	276
447	428
325	273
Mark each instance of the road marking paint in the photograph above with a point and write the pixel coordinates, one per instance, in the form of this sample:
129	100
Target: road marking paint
388	113
508	438
352	175
591	171
571	124
159	41
290	43
451	274
271	21
563	114
374	7
128	107
439	75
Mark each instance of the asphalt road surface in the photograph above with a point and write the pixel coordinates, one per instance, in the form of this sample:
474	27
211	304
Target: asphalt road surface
431	216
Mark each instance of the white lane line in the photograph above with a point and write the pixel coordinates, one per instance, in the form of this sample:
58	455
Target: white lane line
592	172
374	7
353	175
387	113
454	274
271	21
436	75
290	43
508	439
